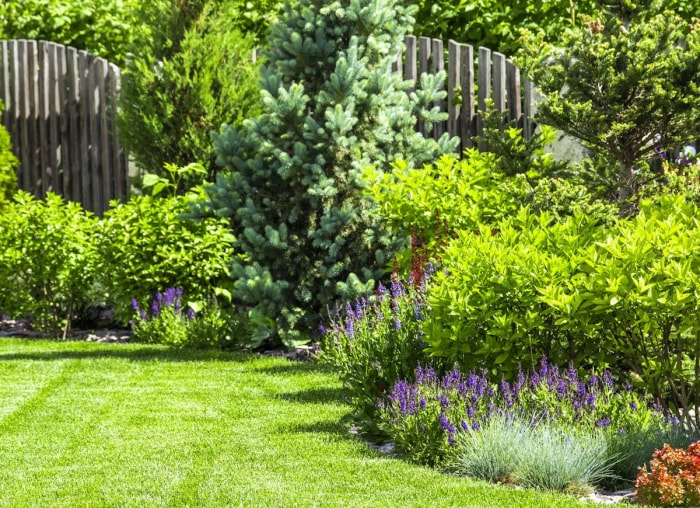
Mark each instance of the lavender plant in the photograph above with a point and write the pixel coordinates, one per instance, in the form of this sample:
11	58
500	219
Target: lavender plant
424	417
375	342
164	321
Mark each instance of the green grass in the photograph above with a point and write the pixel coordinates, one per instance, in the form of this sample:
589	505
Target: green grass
84	424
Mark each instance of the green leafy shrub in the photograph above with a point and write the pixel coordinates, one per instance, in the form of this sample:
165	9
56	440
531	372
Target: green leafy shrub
620	294
146	246
48	260
482	188
175	94
673	478
495	24
487	307
105	28
8	164
292	188
459	193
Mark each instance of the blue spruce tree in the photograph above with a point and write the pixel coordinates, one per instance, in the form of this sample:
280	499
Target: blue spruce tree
292	184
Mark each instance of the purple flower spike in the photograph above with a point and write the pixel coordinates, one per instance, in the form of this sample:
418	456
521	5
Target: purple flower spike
190	314
397	288
608	379
544	368
349	312
350	328
381	291
134	304
169	296
603	422
417	311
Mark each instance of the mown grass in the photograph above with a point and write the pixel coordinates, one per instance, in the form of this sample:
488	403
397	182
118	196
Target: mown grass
85	424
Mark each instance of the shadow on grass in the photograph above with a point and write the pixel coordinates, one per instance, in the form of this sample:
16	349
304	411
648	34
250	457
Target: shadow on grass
326	427
294	367
319	395
131	352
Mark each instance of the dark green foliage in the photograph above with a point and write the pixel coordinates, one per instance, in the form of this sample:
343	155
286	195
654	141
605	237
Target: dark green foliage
332	105
48	260
8	164
629	88
146	247
106	28
196	73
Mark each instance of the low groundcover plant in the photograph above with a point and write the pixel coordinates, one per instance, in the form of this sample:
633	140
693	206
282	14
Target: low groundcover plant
523	451
197	324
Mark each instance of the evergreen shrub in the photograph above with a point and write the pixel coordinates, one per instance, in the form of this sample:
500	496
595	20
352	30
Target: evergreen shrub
196	73
48	260
630	81
292	181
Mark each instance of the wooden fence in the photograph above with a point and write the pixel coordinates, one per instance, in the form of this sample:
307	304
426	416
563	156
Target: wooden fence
59	107
496	77
60	102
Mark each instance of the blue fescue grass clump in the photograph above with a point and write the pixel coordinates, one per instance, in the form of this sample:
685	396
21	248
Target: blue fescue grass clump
517	450
426	416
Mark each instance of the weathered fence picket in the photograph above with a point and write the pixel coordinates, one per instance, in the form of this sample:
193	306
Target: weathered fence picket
59	107
496	76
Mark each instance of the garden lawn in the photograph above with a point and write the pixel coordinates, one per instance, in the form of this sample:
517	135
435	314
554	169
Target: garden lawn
85	424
